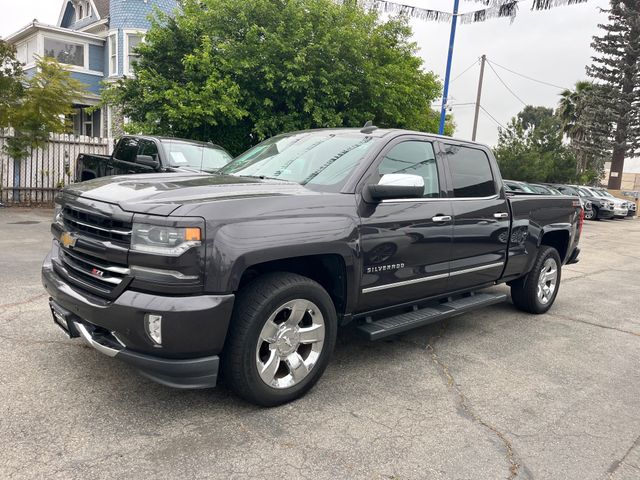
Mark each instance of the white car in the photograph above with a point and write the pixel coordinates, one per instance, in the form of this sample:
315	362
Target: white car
621	207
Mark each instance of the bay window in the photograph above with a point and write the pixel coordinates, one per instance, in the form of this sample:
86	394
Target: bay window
65	52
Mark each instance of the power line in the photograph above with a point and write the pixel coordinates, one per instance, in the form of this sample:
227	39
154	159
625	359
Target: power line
465	70
493	118
528	77
506	86
466	104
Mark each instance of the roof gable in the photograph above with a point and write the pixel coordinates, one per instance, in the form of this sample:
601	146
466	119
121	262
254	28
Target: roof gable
100	9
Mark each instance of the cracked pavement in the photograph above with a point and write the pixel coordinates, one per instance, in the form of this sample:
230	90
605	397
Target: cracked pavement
495	394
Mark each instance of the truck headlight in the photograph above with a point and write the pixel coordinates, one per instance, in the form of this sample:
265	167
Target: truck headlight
57	214
170	241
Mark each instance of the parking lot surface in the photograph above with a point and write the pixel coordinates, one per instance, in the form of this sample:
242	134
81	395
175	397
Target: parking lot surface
488	395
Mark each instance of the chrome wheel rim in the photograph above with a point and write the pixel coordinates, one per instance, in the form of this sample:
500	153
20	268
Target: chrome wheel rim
547	281
290	343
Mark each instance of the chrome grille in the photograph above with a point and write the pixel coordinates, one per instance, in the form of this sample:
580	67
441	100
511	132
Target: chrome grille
92	273
97	226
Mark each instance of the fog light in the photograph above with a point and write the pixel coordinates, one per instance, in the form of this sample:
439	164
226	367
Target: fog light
153	327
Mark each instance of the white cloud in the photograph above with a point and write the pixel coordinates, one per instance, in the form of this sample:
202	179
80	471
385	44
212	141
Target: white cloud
17	14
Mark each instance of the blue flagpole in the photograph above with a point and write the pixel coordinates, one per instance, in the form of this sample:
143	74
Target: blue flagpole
445	94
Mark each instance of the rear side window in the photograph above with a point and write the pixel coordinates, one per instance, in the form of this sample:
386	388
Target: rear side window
470	172
127	150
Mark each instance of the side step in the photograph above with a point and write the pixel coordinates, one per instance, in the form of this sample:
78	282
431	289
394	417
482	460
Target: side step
386	327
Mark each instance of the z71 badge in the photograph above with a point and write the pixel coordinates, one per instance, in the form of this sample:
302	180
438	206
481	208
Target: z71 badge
384	268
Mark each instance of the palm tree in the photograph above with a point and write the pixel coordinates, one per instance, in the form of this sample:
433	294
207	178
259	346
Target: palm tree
571	112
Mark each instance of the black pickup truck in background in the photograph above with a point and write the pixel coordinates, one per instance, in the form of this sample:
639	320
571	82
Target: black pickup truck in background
146	154
254	269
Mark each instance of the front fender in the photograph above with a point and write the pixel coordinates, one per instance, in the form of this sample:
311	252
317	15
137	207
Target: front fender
238	246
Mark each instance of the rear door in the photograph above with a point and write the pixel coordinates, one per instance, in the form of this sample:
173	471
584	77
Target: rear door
480	217
405	242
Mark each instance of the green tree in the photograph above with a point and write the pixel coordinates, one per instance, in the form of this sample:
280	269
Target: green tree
34	106
530	149
587	134
617	71
236	72
11	88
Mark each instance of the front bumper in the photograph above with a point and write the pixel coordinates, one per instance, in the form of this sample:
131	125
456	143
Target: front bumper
602	213
193	329
620	212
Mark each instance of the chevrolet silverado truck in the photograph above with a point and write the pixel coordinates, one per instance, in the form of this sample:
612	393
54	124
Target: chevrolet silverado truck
146	154
252	271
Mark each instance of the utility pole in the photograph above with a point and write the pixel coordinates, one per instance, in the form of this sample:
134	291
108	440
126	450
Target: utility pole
483	59
447	77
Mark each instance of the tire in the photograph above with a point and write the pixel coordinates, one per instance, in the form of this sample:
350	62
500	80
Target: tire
525	292
589	214
263	337
596	213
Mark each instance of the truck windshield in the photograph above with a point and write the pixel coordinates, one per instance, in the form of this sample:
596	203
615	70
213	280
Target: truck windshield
201	156
321	158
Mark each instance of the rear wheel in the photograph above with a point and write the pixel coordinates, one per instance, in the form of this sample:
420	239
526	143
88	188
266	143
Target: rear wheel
280	339
536	291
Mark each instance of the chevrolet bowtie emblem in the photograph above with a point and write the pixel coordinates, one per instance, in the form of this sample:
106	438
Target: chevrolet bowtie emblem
67	239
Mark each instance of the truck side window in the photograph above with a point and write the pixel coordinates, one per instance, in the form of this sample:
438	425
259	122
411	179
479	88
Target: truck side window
127	150
414	158
147	147
470	172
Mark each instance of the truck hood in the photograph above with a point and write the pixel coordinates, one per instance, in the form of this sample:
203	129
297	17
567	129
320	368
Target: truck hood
161	194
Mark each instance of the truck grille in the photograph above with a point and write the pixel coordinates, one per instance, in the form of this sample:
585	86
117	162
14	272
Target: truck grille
97	226
93	274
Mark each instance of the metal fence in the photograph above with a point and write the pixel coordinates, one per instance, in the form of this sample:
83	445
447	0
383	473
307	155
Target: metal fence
35	179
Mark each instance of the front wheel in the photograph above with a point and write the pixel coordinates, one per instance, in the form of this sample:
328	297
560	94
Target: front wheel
589	214
536	291
280	339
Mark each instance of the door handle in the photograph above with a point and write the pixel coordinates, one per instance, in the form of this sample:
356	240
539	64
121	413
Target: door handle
441	218
501	215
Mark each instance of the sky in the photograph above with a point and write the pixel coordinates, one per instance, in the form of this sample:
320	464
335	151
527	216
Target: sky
552	46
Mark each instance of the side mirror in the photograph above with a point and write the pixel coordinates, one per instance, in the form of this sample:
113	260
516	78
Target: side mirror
148	161
394	186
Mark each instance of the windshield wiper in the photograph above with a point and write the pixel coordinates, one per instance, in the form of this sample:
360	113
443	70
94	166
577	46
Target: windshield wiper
262	177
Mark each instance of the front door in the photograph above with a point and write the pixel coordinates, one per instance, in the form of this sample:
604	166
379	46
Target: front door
480	218
126	154
405	242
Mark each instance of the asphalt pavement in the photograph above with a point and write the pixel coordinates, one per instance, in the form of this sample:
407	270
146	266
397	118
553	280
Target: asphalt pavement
494	394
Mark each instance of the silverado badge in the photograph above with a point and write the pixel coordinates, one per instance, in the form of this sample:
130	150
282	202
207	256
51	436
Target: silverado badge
67	239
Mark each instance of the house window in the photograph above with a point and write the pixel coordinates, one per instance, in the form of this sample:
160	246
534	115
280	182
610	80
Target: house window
65	52
133	40
113	54
21	53
87	123
83	10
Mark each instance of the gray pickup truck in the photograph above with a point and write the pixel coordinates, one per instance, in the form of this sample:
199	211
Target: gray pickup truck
253	270
146	154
